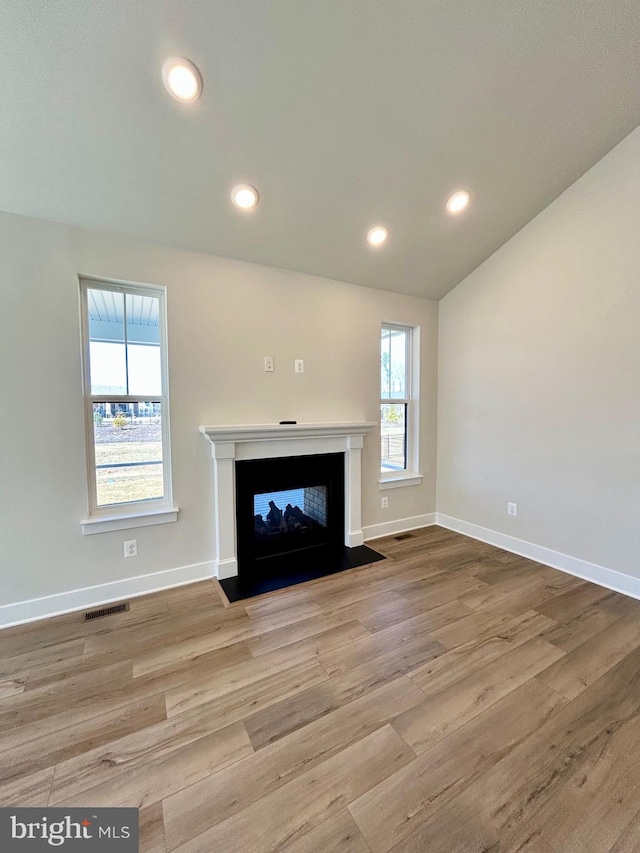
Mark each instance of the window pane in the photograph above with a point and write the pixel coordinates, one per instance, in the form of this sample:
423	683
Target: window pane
385	364
393	363
393	428
145	375
143	344
128	448
108	368
106	341
398	378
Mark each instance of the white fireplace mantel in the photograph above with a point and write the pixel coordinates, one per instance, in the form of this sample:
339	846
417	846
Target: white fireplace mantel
268	441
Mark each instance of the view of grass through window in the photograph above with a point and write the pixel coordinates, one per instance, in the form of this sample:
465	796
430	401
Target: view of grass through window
128	452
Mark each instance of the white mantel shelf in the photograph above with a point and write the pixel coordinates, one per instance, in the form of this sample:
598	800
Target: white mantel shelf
271	432
262	441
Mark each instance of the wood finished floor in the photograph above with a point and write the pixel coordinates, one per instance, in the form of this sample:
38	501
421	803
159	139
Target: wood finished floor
454	698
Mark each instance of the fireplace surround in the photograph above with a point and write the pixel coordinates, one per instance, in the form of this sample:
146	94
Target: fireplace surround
231	444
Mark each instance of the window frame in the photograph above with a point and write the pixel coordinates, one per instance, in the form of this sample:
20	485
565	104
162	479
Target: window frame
132	513
409	475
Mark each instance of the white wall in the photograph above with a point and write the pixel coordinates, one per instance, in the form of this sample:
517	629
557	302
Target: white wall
539	376
224	317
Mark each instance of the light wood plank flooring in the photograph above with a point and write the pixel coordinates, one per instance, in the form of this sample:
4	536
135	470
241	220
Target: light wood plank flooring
454	698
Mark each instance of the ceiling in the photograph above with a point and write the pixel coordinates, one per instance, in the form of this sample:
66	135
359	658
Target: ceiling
343	113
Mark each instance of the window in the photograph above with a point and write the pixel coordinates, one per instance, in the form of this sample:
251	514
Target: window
126	403
398	396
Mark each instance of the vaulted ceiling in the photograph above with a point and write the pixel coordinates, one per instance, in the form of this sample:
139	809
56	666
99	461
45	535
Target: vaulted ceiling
343	113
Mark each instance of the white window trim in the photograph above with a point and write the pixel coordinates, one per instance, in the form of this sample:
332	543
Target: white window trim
398	480
411	475
136	513
126	522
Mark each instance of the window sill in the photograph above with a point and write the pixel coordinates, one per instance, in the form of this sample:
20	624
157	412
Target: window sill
124	522
397	481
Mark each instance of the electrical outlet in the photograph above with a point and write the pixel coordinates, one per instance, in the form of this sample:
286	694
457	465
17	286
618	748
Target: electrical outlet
298	365
131	548
512	509
268	364
384	502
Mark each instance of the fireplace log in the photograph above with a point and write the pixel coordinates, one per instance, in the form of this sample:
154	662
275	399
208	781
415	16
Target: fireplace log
275	518
293	523
304	520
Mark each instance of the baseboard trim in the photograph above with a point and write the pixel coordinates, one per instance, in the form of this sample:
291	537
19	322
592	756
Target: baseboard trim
400	525
22	612
94	596
223	569
601	575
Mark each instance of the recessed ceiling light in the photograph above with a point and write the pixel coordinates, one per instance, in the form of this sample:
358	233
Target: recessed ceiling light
244	196
458	201
182	80
376	236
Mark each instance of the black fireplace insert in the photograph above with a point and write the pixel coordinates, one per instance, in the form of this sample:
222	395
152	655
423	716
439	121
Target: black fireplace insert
288	510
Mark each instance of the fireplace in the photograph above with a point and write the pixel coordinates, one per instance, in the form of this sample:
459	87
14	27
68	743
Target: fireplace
232	446
288	509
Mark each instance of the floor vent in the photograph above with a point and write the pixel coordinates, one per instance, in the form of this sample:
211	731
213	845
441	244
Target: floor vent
404	536
105	611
